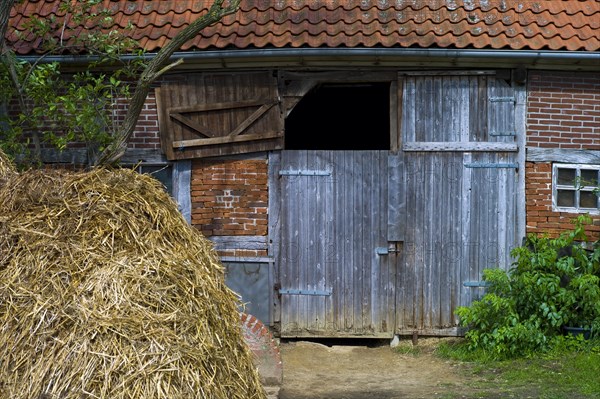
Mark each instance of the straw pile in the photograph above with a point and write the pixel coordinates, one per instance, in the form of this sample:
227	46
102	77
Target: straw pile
7	168
106	292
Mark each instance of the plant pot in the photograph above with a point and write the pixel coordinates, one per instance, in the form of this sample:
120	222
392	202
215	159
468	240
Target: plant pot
575	331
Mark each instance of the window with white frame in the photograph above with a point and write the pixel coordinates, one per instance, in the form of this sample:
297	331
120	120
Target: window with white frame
575	188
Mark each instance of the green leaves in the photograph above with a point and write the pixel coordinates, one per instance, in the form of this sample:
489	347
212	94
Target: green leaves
554	282
58	108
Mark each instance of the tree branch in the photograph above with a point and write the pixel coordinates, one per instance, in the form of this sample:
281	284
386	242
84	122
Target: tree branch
5	7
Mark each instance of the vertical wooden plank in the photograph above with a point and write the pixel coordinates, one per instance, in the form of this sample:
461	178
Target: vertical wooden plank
396	115
331	276
358	247
479	212
430	199
182	177
320	228
408	111
437	130
387	280
312	251
349	288
504	215
305	258
274	232
481	109
520	121
289	250
163	122
420	243
406	274
452	249
396	214
420	109
339	243
370	215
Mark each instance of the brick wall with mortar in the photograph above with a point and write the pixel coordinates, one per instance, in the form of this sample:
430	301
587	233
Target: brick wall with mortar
563	111
146	134
230	198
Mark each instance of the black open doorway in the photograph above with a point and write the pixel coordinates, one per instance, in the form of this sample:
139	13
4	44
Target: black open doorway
334	116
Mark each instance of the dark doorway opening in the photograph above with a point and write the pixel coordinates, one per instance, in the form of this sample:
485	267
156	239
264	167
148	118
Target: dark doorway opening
341	117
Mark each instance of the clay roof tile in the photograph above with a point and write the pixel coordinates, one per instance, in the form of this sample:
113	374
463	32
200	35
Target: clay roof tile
492	24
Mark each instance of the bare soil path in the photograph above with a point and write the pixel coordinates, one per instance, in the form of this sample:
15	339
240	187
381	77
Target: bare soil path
314	370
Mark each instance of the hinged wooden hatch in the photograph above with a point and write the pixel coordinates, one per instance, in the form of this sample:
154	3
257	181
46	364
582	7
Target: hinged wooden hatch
209	115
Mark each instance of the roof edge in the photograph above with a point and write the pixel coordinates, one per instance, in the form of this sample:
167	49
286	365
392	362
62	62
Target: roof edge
367	57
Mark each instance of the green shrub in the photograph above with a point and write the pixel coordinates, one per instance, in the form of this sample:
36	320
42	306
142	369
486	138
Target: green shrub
554	282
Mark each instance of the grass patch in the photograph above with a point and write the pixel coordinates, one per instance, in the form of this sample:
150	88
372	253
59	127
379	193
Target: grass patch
566	373
405	347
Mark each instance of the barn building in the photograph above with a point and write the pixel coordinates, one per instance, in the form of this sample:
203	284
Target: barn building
359	163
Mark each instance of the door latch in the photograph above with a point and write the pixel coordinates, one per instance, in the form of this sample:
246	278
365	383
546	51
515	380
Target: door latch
393	247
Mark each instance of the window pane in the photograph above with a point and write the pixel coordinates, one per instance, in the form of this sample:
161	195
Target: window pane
565	198
566	176
589	177
588	199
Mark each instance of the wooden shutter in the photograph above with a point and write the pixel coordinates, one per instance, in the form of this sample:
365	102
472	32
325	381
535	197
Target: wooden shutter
205	115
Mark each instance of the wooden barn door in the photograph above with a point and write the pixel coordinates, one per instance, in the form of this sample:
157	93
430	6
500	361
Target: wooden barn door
207	115
459	146
336	270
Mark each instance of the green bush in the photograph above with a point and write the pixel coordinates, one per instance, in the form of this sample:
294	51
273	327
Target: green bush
553	283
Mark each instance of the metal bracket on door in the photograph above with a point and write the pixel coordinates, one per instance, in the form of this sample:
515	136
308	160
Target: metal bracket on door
393	247
284	291
477	284
304	172
502	99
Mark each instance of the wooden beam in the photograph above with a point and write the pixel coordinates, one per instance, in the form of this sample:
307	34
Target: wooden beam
220	106
225	140
440	332
251	243
251	119
535	154
446	73
199	128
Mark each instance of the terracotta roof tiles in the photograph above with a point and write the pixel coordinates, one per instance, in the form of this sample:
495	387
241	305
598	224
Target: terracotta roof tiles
492	24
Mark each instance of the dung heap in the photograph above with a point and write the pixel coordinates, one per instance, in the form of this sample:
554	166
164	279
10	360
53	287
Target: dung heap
107	292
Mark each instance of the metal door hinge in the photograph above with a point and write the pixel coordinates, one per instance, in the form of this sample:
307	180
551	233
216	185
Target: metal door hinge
285	291
304	172
502	99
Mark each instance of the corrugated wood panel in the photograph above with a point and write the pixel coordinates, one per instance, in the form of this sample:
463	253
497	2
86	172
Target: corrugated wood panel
219	114
335	222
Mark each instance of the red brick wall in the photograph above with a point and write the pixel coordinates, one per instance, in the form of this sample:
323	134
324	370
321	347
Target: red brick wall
229	197
146	135
564	110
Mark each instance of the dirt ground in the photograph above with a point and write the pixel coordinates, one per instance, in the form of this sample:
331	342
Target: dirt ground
365	370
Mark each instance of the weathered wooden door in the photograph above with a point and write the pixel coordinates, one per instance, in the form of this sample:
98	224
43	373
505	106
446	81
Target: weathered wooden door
207	115
336	270
460	151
